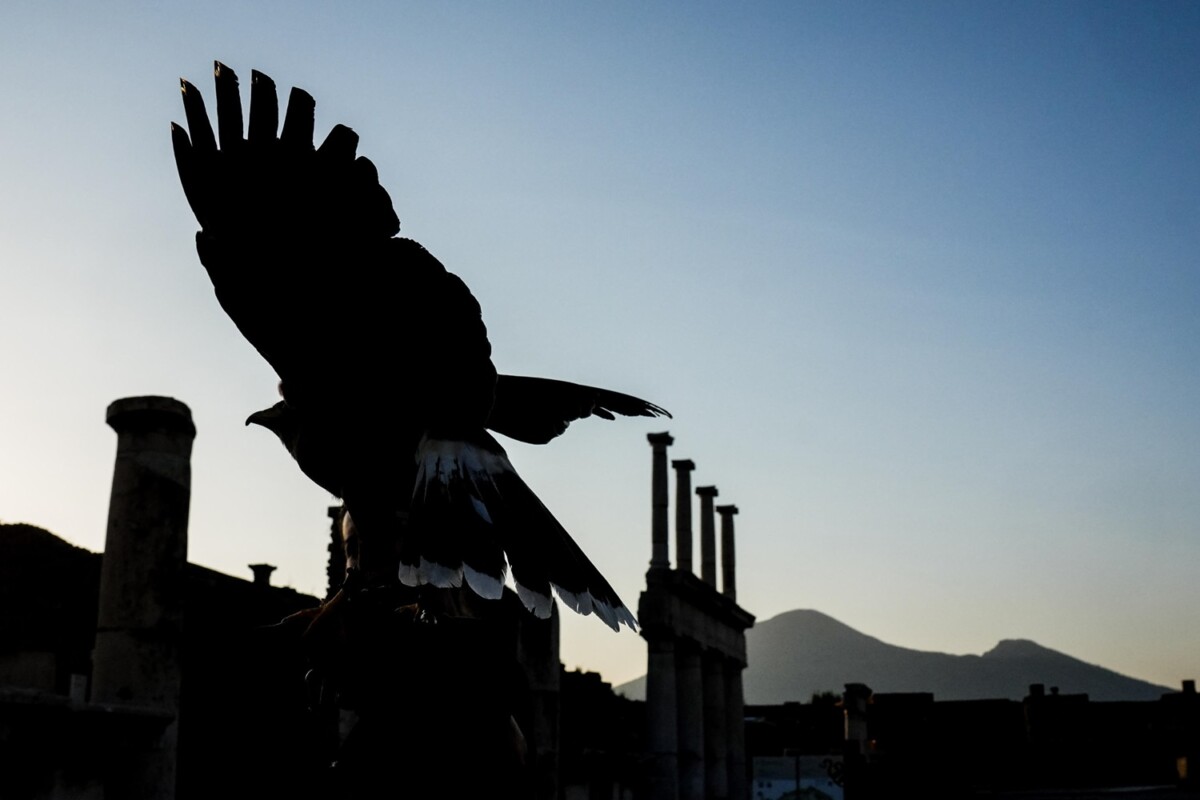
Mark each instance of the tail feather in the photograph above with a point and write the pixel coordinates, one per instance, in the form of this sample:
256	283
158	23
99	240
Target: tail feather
448	539
543	556
472	516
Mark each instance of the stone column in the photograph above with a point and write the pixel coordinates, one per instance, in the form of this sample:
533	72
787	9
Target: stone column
335	569
716	734
854	763
658	500
140	620
262	573
538	654
735	708
683	514
728	578
708	535
662	716
854	704
690	681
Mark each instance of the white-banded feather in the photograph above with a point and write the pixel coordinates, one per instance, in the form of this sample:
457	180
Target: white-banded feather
484	585
536	602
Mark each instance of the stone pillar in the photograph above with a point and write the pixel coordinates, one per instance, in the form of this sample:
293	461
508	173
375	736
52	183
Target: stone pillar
728	578
856	781
683	514
716	734
735	708
262	573
538	654
690	683
140	619
854	705
335	569
662	716
708	535
658	500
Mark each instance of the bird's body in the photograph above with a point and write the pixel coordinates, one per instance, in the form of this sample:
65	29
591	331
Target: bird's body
383	358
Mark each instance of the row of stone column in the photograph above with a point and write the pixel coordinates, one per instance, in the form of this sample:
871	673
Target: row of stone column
683	521
697	727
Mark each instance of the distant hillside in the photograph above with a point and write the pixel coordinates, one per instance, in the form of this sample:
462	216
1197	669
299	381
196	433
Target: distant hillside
801	652
49	588
48	591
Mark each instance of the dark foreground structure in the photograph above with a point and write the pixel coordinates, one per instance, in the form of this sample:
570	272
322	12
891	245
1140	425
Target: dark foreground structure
867	745
138	675
102	658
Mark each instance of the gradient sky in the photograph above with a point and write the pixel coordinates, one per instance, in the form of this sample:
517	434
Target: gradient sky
918	281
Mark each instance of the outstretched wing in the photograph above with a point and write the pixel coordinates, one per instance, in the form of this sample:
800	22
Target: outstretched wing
535	410
379	348
298	242
279	216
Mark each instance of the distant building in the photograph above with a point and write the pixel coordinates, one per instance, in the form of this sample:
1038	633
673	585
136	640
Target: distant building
884	745
100	658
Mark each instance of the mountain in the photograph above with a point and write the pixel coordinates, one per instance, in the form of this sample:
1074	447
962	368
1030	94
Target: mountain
801	652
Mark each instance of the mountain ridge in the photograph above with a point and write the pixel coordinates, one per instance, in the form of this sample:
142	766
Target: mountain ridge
804	651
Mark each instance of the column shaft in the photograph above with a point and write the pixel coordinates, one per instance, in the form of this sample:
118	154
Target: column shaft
658	500
139	627
735	708
683	514
716	734
708	535
661	719
728	576
690	678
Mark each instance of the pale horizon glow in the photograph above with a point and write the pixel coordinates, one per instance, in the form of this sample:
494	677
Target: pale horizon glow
919	283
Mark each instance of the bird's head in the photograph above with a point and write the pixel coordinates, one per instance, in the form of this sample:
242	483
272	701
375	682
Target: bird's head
280	419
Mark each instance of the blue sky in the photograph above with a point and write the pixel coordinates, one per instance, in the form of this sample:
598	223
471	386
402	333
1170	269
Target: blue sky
918	281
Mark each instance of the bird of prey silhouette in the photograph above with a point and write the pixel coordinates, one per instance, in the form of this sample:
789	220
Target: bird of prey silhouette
383	359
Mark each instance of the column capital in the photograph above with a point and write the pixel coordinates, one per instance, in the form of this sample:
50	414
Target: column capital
683	464
148	413
262	573
663	438
730	509
706	491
